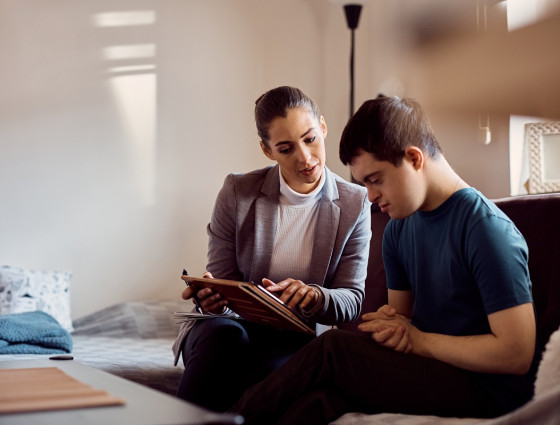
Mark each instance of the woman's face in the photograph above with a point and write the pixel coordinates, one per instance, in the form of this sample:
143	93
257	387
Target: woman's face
297	144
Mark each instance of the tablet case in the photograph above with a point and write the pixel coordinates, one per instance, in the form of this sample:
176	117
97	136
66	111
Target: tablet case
254	303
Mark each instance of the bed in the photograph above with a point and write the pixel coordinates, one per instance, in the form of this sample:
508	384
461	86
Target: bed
132	340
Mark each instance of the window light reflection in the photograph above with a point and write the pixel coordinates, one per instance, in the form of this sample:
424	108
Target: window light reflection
123	19
130	51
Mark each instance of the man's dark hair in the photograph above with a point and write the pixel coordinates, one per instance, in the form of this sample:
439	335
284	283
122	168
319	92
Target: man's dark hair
385	127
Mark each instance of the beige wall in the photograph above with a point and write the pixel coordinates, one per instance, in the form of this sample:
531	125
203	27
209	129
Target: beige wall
113	174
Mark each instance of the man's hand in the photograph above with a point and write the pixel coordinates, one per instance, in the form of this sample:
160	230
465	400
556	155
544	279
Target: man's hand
294	293
209	300
388	328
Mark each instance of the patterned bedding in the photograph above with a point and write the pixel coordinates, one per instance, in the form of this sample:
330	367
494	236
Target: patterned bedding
132	340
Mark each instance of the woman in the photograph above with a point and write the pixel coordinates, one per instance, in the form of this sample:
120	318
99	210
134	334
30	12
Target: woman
296	227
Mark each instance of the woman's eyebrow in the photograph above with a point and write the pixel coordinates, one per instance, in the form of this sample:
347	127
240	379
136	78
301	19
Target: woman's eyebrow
285	142
307	132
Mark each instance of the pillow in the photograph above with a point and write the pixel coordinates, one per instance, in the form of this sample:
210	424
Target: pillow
23	291
548	374
133	319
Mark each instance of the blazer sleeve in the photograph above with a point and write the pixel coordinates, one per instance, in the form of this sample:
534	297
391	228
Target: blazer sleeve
222	234
344	290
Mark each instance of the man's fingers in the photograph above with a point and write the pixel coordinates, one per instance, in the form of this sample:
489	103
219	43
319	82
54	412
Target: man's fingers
404	344
387	310
383	336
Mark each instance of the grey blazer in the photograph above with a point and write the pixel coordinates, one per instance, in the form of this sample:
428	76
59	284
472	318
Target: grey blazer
241	237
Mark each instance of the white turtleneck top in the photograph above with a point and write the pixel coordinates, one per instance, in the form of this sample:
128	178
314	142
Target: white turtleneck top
295	232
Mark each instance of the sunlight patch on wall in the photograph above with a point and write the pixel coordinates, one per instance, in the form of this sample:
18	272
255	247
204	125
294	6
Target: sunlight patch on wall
130	51
131	68
521	13
133	82
122	19
135	96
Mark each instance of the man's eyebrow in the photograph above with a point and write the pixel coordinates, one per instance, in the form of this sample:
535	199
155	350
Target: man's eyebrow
371	175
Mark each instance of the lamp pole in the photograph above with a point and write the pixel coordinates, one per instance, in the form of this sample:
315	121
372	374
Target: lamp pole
352	12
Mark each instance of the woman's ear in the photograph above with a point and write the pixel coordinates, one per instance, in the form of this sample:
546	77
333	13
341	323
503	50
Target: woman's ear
267	152
415	156
323	124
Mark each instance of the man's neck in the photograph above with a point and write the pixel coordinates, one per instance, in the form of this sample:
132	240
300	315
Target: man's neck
443	182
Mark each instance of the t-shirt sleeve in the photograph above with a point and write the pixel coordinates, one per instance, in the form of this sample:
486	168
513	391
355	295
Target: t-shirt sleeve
501	273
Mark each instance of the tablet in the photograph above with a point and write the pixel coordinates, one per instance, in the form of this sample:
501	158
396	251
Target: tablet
254	303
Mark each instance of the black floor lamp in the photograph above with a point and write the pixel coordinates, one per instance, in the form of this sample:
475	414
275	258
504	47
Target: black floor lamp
352	12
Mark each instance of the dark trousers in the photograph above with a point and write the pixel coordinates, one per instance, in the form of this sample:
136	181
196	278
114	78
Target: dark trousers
223	357
341	372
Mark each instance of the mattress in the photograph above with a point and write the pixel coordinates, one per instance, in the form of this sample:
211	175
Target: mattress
132	340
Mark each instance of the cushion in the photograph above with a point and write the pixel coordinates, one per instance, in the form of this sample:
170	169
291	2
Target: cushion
536	217
548	374
23	291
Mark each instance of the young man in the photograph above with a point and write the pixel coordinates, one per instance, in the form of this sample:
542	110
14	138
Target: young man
457	337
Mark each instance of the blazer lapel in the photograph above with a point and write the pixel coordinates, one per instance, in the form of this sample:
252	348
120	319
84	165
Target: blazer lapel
266	221
326	231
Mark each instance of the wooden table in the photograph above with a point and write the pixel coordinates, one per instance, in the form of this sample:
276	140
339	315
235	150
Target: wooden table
143	405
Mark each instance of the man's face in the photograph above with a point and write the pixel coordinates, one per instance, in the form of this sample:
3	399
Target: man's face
397	190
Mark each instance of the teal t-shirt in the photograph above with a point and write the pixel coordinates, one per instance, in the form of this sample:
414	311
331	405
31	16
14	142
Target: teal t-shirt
462	261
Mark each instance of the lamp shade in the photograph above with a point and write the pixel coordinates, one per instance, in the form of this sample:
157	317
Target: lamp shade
352	12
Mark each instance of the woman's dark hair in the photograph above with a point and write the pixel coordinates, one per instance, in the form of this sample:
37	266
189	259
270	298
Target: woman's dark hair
385	127
276	103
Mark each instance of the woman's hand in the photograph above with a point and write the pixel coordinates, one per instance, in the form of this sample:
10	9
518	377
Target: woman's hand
294	293
206	299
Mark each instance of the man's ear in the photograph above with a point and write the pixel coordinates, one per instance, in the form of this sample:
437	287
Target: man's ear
266	151
415	156
323	126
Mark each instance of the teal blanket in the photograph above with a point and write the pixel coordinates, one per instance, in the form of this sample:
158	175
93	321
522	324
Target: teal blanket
35	332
